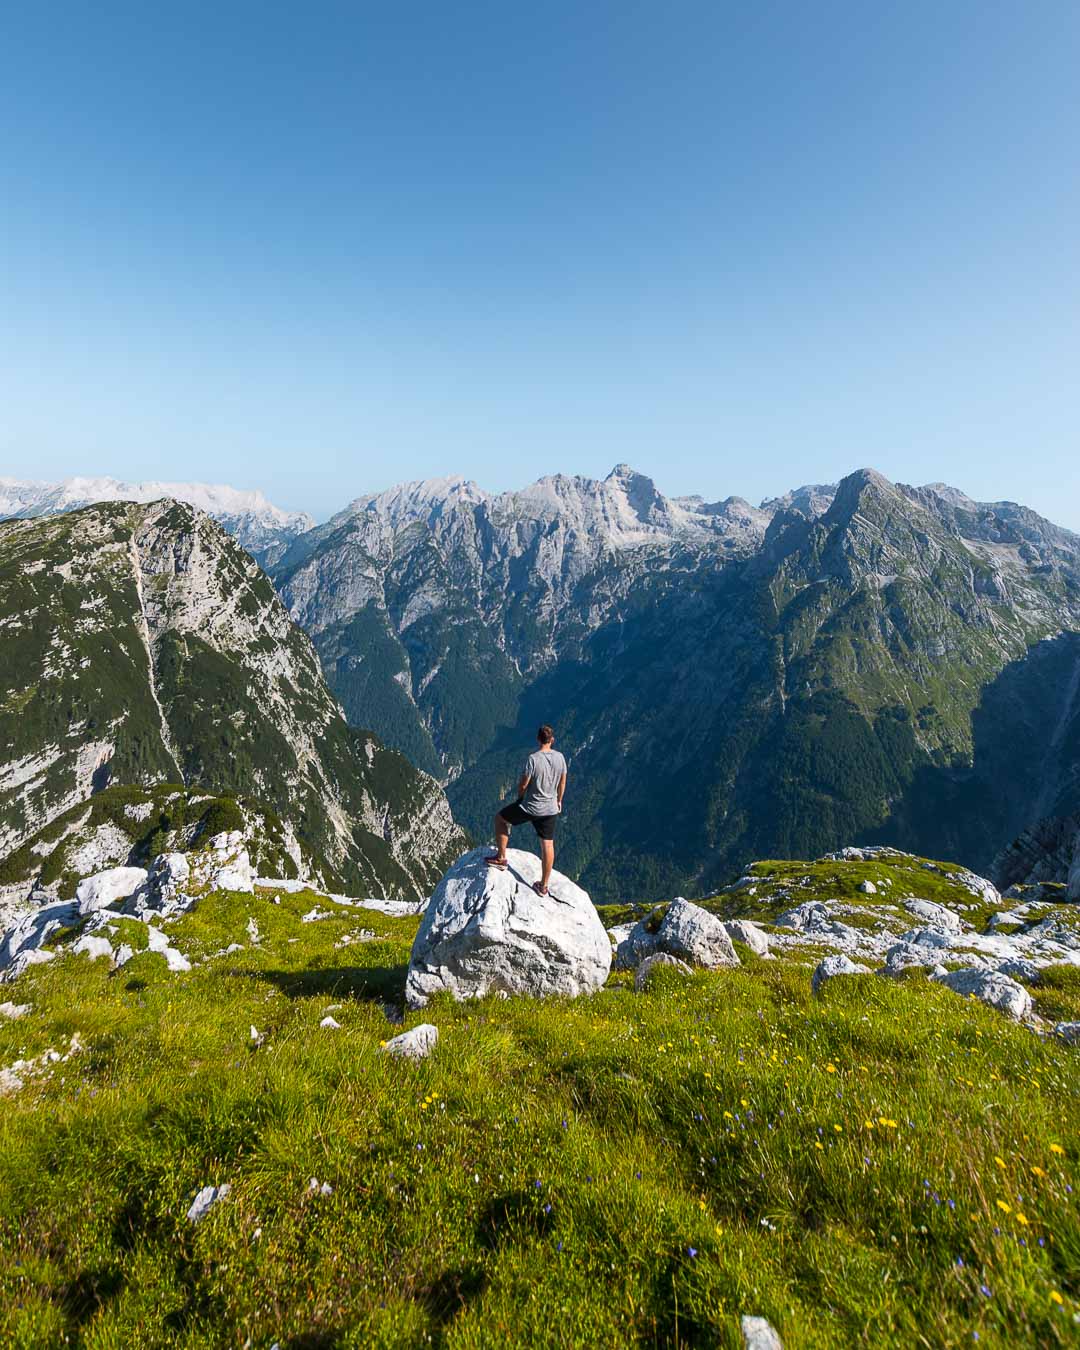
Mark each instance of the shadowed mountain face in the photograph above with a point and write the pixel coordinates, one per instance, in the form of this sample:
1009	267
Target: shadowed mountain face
866	660
142	645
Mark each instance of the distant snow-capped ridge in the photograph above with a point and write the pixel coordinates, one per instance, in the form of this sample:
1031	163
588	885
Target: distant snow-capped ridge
263	528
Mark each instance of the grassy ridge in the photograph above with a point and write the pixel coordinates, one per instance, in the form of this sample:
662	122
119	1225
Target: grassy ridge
886	1164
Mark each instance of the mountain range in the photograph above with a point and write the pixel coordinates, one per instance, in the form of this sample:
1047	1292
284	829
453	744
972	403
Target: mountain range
862	661
859	661
262	528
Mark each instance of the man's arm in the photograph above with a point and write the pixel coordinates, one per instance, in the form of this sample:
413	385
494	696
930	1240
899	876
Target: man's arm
562	788
526	779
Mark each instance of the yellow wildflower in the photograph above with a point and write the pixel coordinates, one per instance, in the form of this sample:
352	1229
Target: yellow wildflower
830	1068
1000	1161
1005	1209
1020	1218
1037	1172
1056	1148
888	1124
819	1144
868	1124
838	1129
1055	1297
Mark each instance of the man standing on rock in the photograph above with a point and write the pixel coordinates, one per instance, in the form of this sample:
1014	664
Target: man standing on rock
539	801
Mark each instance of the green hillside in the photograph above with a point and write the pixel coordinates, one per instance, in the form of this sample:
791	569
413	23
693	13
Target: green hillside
880	1164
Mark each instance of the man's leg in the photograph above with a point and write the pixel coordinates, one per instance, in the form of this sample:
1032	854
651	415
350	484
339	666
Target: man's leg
547	858
502	838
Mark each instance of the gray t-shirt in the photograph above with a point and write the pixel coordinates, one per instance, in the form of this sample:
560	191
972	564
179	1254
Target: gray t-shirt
545	768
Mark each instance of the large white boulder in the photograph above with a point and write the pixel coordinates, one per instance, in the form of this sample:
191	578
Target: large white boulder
487	931
105	888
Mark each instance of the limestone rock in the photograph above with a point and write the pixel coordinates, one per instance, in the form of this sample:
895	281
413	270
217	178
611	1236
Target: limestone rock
742	930
695	935
486	931
205	1200
1069	1032
935	916
991	987
759	1334
658	961
93	946
103	889
867	888
831	967
416	1043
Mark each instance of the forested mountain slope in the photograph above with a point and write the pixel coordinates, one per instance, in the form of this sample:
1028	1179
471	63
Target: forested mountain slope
141	644
861	661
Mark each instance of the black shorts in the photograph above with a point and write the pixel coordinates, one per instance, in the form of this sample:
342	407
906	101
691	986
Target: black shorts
515	814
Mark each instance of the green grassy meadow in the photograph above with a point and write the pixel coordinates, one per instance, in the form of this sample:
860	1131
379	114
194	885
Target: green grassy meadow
887	1164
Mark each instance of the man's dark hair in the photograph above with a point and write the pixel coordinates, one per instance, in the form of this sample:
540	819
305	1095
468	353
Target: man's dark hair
545	735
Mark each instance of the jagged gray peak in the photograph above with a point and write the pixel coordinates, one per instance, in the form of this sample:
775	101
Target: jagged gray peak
142	644
779	679
263	529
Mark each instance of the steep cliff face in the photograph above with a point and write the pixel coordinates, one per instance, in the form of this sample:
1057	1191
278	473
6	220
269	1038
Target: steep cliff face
729	682
142	644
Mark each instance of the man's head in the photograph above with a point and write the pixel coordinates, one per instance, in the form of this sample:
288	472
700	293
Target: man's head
546	736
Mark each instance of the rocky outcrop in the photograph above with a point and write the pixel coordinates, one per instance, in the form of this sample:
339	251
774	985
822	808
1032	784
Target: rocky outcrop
681	930
1048	851
487	931
991	987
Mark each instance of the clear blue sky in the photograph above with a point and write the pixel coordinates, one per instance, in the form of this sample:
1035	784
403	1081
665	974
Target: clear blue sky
320	248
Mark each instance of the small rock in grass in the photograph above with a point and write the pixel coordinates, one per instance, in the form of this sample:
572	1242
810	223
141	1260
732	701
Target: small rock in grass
831	967
14	1011
329	1023
208	1196
658	961
1069	1032
416	1043
991	987
867	888
257	1036
323	1188
742	930
759	1334
94	947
